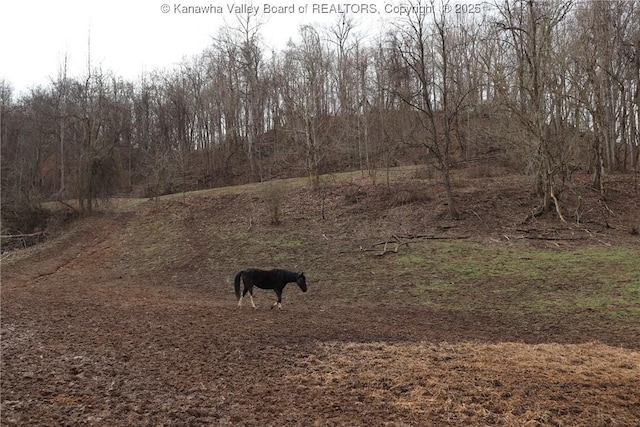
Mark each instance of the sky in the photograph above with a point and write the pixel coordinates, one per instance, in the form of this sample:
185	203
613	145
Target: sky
132	37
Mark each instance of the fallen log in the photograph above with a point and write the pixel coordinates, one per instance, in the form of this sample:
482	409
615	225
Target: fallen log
21	236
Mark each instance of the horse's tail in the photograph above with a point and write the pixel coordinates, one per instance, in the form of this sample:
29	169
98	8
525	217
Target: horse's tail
237	283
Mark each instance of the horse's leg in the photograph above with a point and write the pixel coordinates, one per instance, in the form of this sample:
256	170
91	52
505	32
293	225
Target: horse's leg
242	295
251	297
278	303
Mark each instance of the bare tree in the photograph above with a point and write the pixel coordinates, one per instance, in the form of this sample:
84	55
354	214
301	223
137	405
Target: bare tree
306	96
62	87
606	73
426	43
531	27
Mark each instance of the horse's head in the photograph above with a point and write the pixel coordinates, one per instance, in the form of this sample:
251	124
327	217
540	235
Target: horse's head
302	282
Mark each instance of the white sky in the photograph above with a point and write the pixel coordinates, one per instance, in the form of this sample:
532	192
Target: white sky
129	37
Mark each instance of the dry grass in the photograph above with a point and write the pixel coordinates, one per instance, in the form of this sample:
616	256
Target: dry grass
506	384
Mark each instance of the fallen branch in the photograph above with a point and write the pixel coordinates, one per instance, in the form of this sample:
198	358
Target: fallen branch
552	238
539	235
385	251
400	238
21	236
433	237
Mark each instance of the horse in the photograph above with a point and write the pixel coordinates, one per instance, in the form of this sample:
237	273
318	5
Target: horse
275	279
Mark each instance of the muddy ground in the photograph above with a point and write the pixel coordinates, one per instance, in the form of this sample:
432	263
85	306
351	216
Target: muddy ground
129	318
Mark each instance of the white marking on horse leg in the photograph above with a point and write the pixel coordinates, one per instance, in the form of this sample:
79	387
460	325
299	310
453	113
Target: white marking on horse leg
240	301
279	306
252	303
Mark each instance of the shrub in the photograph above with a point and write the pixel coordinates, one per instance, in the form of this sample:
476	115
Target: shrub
273	195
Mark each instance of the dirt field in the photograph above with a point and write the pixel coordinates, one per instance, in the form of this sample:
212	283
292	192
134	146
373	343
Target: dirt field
129	318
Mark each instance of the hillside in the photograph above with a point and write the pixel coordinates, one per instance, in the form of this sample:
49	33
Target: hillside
128	317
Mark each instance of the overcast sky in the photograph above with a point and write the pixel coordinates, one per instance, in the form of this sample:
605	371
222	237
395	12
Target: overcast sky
130	37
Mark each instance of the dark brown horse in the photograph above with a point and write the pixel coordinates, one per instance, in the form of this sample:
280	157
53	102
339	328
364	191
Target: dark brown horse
275	279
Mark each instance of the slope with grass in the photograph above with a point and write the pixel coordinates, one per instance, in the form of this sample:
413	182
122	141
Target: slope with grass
128	317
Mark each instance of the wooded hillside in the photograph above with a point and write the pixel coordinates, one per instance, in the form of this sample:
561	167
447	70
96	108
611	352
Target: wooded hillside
540	87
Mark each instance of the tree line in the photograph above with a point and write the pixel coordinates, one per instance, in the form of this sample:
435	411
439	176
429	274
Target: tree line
550	87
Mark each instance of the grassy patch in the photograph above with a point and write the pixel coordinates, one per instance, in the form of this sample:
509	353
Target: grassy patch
470	275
